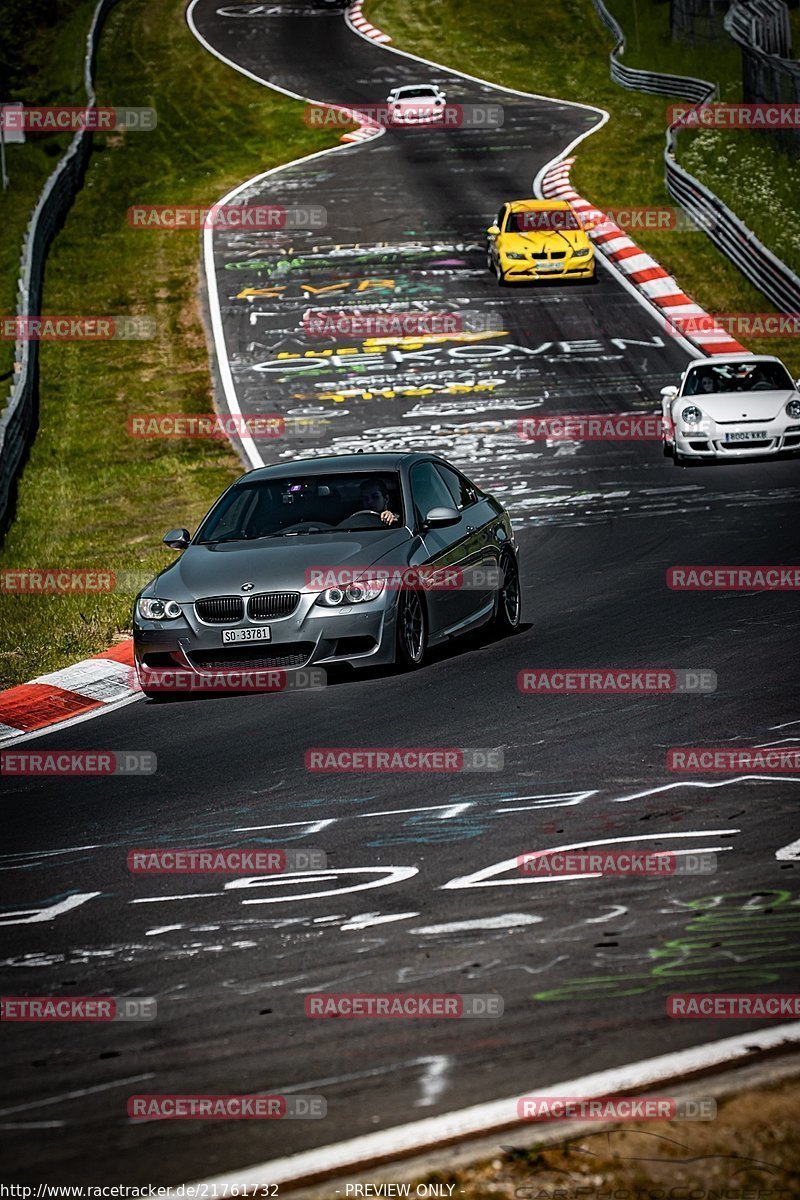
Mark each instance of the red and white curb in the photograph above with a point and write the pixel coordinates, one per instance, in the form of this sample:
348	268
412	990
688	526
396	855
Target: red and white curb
640	269
367	130
104	681
362	24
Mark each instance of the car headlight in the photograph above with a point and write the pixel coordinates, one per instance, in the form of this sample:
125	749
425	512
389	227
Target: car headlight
513	254
691	415
582	253
793	408
158	610
355	593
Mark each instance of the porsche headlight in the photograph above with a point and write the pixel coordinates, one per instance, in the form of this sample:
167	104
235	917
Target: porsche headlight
581	253
691	415
513	254
360	592
158	610
793	409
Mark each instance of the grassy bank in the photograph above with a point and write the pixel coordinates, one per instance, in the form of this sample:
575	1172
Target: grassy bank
90	495
41	62
564	52
749	1149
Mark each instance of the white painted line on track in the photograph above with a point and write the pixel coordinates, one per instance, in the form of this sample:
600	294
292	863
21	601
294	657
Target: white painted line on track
249	447
482	1119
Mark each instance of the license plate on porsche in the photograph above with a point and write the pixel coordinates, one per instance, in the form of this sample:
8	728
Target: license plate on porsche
746	436
262	634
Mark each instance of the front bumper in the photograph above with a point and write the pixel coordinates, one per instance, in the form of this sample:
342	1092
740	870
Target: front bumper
360	635
570	268
753	439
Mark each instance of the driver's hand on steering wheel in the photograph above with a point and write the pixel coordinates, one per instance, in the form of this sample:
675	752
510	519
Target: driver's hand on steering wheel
389	518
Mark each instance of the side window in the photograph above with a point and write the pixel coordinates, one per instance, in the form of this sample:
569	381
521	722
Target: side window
462	492
428	490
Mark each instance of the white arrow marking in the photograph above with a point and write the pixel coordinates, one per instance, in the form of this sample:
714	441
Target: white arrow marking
480	878
617	910
506	921
366	920
48	913
788	853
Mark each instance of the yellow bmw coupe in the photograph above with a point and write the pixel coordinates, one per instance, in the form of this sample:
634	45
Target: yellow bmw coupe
539	239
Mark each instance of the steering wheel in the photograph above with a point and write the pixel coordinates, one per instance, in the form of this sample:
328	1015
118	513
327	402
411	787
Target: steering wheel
362	512
761	386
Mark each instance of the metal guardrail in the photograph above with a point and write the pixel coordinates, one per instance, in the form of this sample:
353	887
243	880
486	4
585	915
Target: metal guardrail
649	81
728	233
761	25
19	417
761	29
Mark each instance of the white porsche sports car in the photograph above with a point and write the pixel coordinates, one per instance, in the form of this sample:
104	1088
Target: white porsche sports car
416	104
731	406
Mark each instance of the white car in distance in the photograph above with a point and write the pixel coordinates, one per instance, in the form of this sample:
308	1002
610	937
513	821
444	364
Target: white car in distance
416	104
731	406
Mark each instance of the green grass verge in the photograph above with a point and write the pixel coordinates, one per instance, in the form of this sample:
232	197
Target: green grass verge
90	495
47	68
562	51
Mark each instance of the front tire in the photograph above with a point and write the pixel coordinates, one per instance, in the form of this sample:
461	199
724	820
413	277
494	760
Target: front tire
412	631
508	604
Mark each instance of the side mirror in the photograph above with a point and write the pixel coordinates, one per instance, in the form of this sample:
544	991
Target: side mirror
441	518
177	539
493	230
797	384
669	393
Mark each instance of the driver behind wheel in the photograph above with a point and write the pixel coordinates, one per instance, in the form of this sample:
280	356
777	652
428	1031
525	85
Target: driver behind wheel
375	497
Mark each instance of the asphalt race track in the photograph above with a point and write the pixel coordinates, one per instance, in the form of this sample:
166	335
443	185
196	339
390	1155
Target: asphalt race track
410	903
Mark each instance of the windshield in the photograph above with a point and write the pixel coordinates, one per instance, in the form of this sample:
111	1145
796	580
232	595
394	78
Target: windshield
287	507
546	221
409	93
737	377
